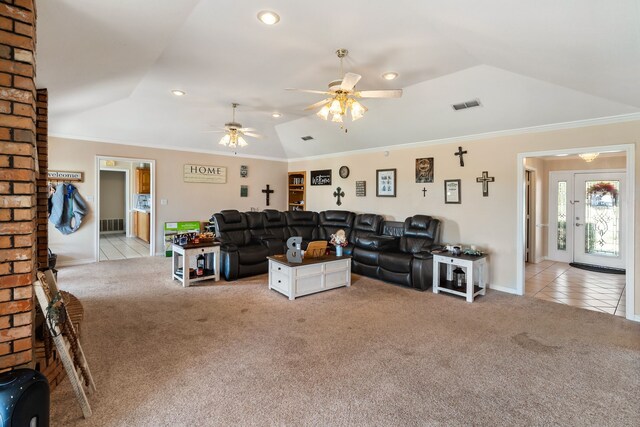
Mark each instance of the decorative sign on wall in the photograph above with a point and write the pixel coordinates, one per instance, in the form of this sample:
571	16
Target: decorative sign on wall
424	170
65	176
244	190
206	174
361	188
322	177
244	171
452	191
386	183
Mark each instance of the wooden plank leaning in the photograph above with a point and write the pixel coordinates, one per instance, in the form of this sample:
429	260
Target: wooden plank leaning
65	339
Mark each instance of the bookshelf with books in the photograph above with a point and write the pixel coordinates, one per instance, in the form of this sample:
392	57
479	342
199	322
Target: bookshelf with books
297	191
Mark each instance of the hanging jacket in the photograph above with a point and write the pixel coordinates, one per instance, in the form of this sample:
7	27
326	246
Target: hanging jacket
67	209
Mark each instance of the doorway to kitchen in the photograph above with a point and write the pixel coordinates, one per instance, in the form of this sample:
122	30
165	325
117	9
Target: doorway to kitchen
124	208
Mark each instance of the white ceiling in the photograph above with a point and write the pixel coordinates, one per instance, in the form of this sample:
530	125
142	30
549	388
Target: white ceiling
110	67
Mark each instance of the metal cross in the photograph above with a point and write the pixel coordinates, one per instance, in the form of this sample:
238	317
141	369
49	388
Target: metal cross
267	191
461	153
338	193
485	179
424	192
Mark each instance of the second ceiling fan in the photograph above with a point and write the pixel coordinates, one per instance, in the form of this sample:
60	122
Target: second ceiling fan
343	96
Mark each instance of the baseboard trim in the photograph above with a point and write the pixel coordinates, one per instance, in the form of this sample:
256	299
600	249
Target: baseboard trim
512	291
72	262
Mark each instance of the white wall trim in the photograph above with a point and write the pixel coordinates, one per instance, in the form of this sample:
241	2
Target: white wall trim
629	150
167	147
504	289
494	134
152	230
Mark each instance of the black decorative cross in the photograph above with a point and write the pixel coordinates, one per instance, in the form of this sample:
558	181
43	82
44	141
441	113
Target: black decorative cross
485	179
461	153
424	192
338	193
267	191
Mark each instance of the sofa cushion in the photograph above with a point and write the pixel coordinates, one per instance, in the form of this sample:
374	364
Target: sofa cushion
303	224
329	222
377	243
231	227
252	254
396	262
231	216
420	233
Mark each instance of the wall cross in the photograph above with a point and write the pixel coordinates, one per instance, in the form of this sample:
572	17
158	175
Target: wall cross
338	193
267	192
461	153
424	192
485	179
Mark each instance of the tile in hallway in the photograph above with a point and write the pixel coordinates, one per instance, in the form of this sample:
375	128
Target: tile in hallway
118	246
559	282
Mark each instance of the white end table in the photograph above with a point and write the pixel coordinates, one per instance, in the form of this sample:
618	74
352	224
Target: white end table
473	265
211	252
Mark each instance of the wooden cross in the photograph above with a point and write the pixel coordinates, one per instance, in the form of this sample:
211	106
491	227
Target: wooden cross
338	193
461	153
267	191
424	192
485	179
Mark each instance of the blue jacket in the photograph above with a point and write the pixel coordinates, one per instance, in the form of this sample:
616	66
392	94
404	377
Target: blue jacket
67	209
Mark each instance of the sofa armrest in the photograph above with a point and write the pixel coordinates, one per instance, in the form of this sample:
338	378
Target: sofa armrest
275	245
423	255
229	247
377	243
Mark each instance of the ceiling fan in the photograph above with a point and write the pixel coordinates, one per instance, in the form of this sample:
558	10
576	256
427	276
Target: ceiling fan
234	132
343	96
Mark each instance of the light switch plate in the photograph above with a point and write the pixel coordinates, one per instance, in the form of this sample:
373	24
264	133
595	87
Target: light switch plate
163	201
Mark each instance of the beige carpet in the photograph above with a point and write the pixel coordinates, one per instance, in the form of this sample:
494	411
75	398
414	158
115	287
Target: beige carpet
373	354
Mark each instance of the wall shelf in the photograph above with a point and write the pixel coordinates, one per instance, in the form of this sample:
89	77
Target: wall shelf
297	190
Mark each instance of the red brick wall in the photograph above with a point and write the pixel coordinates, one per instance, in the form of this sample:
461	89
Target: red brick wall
17	181
42	105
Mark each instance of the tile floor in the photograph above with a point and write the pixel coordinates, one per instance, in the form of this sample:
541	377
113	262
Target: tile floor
559	282
119	246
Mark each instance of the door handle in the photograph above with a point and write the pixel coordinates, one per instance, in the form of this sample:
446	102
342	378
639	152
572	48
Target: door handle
578	224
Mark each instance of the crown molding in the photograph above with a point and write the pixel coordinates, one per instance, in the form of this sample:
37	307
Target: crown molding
169	147
510	132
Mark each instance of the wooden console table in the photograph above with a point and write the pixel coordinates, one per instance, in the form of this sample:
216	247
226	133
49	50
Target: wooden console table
471	265
211	252
311	276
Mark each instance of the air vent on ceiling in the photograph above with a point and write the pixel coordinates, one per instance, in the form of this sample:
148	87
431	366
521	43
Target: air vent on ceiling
307	138
465	105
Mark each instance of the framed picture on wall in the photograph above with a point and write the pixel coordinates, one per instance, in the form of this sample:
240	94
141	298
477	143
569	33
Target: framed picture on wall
424	170
386	183
452	191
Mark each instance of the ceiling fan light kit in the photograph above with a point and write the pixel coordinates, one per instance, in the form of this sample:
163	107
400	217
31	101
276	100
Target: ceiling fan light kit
343	97
234	136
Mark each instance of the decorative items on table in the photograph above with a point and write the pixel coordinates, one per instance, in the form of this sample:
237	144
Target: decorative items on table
339	240
193	238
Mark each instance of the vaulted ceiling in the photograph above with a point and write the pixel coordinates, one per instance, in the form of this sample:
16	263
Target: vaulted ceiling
110	67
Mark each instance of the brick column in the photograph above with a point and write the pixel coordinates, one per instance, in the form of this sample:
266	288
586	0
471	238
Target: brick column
42	221
17	181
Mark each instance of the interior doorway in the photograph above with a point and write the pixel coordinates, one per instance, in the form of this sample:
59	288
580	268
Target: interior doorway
586	204
125	224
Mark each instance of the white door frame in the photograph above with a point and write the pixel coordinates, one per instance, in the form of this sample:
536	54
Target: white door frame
551	191
127	195
152	231
629	214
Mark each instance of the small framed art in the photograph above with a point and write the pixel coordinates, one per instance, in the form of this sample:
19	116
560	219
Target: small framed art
386	183
452	191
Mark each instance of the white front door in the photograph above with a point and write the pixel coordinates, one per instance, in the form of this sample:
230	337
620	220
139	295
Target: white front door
585	218
598	222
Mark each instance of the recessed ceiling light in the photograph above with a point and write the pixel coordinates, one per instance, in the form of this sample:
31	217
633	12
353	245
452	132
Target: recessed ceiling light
276	115
269	18
177	92
389	75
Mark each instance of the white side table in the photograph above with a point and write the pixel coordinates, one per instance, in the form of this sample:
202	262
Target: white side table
181	255
473	265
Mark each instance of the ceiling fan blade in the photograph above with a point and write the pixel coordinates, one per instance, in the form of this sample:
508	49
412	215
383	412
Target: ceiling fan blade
246	129
323	92
388	93
214	131
349	81
253	135
317	104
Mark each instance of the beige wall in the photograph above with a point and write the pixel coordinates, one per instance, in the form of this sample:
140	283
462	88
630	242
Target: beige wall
112	195
539	197
489	222
186	201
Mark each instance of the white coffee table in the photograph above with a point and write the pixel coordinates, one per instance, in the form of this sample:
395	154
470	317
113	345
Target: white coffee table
311	276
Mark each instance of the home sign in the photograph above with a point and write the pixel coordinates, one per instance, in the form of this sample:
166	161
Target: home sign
206	174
